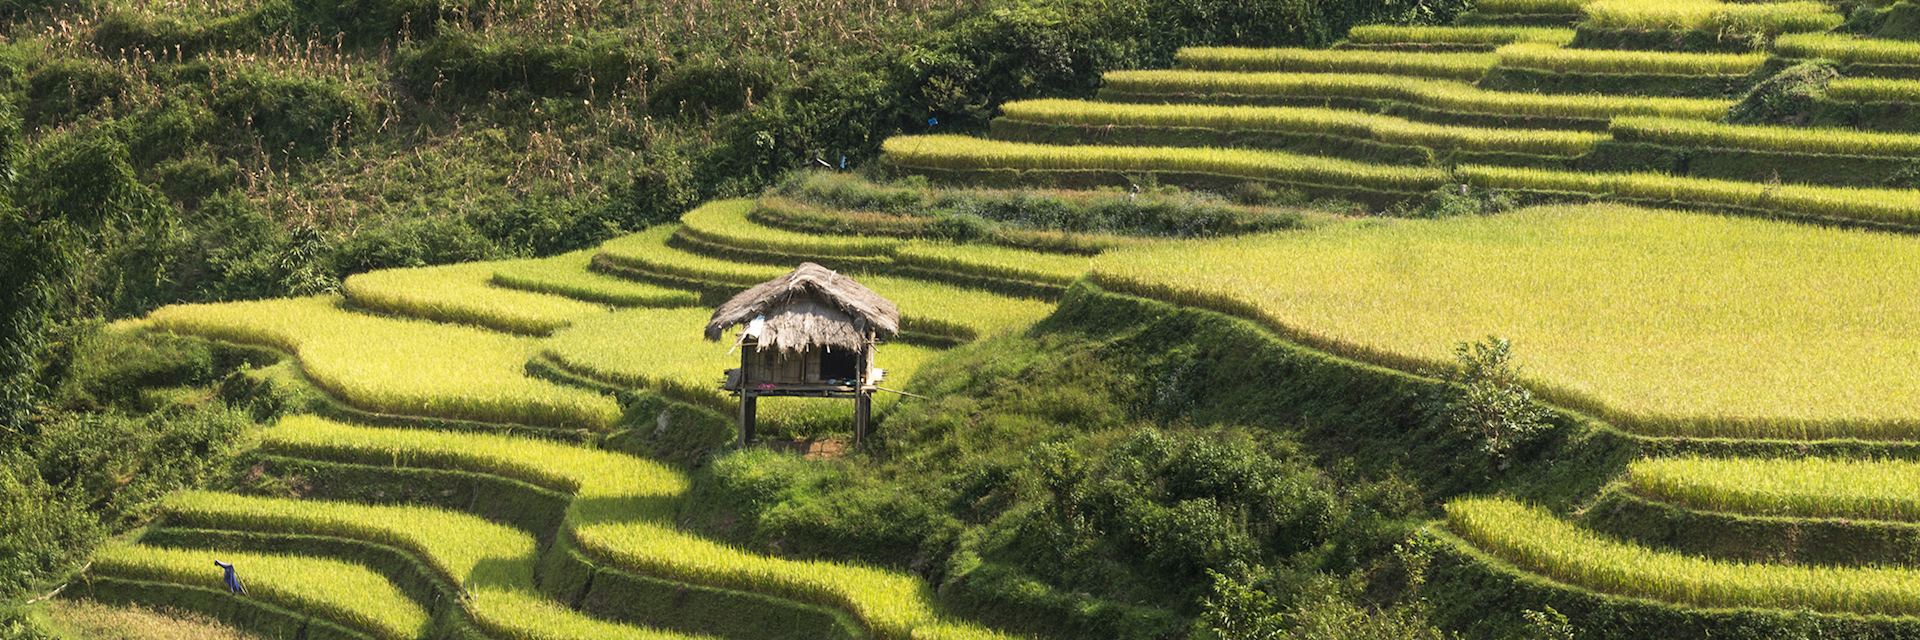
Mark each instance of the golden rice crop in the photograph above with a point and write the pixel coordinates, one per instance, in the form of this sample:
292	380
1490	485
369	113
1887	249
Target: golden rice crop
1356	124
1668	323
524	615
1799	487
467	551
1439	94
1846	48
569	275
1381	34
464	293
1555	58
1893	206
345	593
623	512
794	215
464	549
1874	90
1712	15
1450	66
1528	6
1535	540
994	262
648	251
967	154
399	366
1695	133
727	224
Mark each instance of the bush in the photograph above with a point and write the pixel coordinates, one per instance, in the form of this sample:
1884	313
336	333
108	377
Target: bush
1787	98
301	114
1493	407
412	243
66	89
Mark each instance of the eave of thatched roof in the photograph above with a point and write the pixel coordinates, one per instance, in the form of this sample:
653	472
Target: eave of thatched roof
811	306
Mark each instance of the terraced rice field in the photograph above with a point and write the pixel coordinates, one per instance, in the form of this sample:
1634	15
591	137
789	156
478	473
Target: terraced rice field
459	342
1779	331
1716	334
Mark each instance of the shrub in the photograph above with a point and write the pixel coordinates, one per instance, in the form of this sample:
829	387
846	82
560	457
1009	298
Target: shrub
1493	407
304	114
1787	98
411	243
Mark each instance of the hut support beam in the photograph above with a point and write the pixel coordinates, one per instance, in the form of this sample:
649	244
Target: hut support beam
862	417
747	411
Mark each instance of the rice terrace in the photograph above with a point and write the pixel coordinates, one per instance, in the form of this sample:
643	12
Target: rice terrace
918	320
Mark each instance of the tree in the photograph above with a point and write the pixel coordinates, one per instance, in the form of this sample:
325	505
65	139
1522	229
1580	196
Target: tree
1493	407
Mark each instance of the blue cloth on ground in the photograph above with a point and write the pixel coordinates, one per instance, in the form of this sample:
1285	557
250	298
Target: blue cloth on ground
233	578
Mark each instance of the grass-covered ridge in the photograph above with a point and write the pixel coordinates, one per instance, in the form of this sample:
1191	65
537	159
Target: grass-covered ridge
1673	323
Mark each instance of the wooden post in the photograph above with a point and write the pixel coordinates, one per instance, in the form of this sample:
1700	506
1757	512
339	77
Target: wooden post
862	416
746	417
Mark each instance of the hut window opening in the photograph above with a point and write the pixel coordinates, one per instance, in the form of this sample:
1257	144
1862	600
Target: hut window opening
843	364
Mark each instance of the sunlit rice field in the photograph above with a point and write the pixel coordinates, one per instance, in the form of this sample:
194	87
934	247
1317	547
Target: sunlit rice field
1304	120
623	514
1785	139
399	366
1449	66
345	593
960	153
1799	487
1382	34
464	293
569	275
1438	94
1537	541
1671	323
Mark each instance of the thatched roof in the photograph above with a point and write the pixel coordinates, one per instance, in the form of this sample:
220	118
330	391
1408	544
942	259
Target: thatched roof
812	306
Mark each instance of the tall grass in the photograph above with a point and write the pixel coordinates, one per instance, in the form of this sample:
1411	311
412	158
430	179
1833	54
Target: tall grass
1438	94
1846	48
569	275
464	293
1799	487
399	366
1536	541
623	512
1304	120
1666	323
1712	15
1385	34
1447	66
1554	58
1694	133
1891	206
971	154
349	594
1874	90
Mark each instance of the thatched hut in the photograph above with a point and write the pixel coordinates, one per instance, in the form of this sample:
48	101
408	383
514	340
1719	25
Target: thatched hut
810	333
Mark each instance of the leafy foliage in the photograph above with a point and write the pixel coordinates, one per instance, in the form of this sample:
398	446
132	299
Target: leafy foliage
1493	408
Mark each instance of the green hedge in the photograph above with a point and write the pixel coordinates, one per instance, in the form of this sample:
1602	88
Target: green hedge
1093	179
1326	144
